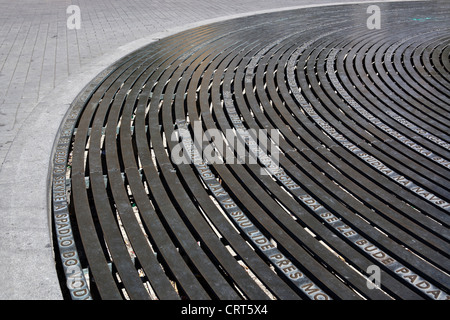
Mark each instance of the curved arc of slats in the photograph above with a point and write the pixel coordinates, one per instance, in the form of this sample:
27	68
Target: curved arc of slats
362	177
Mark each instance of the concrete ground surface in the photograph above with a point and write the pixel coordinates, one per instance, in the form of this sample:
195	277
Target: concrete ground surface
43	66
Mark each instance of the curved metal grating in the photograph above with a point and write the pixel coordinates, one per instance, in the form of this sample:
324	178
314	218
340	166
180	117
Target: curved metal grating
352	174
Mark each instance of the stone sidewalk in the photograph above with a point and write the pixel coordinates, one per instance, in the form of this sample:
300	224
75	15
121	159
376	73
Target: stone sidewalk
43	66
